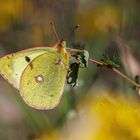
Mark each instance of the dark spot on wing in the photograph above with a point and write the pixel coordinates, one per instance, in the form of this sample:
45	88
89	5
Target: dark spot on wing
8	57
27	59
31	65
51	95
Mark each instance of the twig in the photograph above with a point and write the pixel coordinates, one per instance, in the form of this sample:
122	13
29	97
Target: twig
74	50
106	65
116	71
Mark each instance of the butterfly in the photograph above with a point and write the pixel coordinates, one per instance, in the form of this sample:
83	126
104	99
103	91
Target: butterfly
39	74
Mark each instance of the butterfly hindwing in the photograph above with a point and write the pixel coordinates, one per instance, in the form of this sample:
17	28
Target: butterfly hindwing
42	85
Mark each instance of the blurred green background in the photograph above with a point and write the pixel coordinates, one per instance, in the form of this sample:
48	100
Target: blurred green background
103	106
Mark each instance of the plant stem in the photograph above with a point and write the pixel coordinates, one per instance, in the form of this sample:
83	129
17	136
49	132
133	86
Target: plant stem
75	50
96	62
112	68
115	70
125	77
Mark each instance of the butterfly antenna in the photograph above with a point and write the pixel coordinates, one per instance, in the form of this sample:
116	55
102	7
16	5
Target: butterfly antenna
75	27
54	31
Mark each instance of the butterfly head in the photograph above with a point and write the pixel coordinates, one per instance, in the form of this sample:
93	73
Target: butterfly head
63	44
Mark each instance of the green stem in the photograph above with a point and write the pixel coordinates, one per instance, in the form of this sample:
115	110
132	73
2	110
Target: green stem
117	71
125	77
96	62
105	65
74	50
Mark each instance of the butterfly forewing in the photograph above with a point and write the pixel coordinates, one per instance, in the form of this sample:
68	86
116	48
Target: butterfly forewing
12	65
42	83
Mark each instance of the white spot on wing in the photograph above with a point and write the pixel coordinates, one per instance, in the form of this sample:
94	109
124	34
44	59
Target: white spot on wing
39	79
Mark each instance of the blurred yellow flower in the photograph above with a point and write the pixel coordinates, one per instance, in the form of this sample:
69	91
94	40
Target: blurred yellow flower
49	135
119	118
9	10
106	18
97	20
99	118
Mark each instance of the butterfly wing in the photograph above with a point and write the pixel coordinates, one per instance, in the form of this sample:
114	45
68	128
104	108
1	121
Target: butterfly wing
41	85
12	65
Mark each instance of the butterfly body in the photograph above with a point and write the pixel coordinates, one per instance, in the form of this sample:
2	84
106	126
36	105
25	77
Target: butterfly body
37	74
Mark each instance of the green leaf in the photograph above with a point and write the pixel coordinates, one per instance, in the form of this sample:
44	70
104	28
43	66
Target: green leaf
72	76
82	57
113	62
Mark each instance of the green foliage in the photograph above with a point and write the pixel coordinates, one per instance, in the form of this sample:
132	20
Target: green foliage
81	60
113	62
137	80
72	76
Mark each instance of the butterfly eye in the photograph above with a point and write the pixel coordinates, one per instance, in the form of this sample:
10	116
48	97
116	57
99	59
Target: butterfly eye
63	44
39	79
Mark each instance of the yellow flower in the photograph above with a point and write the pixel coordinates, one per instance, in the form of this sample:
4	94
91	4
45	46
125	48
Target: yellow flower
106	117
49	135
98	20
102	118
9	9
119	118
